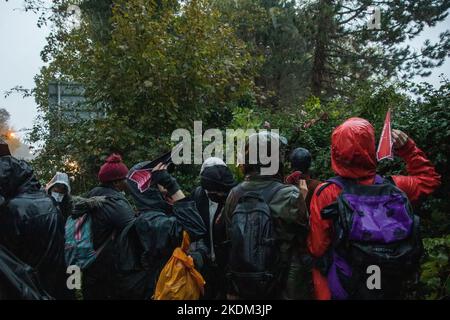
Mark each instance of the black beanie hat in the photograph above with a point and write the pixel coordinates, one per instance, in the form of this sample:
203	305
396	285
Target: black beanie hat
301	160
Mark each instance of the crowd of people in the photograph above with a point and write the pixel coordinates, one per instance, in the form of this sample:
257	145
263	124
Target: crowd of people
283	236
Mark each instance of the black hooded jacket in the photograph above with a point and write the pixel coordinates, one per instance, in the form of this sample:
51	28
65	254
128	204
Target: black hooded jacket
18	281
108	221
146	245
216	178
115	213
30	226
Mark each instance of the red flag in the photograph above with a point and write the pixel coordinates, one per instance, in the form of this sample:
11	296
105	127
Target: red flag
384	150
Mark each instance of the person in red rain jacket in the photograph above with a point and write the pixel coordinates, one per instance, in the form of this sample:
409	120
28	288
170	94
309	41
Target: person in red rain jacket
353	156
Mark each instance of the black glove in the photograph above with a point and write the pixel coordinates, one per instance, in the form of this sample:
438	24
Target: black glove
163	178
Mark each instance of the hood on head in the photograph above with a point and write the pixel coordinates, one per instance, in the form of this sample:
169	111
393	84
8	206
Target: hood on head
58	178
353	149
16	176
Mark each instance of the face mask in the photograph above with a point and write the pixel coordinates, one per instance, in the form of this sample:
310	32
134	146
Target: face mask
58	196
214	197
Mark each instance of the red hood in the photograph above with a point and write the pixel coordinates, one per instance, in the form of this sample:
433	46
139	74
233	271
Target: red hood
353	149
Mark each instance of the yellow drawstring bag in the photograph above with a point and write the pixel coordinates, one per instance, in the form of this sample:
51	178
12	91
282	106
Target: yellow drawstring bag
178	279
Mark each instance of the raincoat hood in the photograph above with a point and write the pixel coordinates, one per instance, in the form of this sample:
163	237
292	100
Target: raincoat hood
61	178
353	149
16	176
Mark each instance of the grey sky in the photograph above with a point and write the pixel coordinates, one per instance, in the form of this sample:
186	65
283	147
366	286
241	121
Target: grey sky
22	42
20	60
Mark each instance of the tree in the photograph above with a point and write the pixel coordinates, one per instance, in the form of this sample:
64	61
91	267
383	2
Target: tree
159	68
273	32
4	118
325	48
346	50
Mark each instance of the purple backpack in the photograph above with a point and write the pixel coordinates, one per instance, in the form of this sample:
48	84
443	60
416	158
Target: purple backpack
374	225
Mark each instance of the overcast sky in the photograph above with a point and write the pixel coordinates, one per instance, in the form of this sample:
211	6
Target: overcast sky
21	42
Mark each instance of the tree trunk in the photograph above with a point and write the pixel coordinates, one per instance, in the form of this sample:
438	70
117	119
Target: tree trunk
324	23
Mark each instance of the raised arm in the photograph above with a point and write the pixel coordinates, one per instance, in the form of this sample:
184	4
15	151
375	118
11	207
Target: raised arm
422	178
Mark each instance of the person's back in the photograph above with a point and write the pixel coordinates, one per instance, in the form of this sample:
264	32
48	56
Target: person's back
289	216
301	160
145	246
288	222
353	158
19	281
107	222
216	181
30	225
113	217
157	234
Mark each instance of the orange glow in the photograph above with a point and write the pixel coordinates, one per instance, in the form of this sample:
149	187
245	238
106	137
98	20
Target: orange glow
72	166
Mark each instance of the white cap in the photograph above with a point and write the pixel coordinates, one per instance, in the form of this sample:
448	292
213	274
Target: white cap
211	162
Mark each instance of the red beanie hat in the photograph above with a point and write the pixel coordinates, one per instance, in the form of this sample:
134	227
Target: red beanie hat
113	169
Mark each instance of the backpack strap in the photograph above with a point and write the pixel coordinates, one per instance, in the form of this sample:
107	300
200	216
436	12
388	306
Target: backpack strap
339	181
390	180
379	179
269	193
335	180
90	211
322	187
343	182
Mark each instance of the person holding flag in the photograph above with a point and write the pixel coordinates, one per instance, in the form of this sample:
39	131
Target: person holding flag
354	161
384	150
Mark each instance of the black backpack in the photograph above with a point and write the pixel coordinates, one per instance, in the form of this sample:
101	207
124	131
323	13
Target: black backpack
254	261
19	281
374	227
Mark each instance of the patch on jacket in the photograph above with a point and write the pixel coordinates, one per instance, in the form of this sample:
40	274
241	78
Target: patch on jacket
142	179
